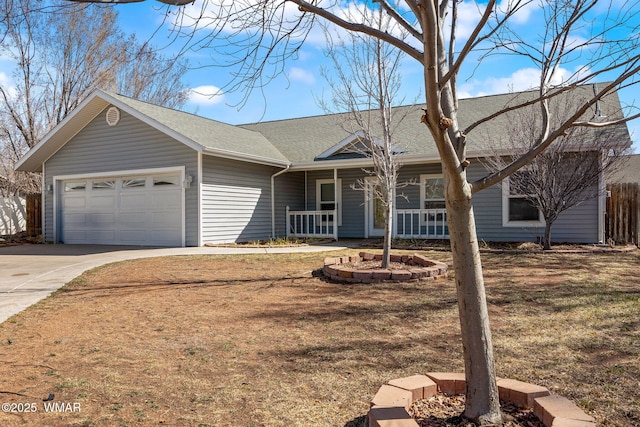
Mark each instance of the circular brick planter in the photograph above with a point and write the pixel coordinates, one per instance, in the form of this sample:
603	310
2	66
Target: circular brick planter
390	405
345	269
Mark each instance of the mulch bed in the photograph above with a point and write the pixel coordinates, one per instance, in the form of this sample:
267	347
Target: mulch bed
19	239
445	411
376	265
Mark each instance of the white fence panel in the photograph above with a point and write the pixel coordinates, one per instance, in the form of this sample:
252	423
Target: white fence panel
12	215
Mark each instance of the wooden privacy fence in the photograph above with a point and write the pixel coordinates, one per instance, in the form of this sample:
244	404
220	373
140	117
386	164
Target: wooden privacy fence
623	213
34	215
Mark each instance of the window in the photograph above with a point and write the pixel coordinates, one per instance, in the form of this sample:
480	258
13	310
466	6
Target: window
431	192
133	183
75	185
434	221
103	185
166	181
517	209
325	196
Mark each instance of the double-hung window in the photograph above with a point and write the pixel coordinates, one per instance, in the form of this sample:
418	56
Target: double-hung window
517	208
431	192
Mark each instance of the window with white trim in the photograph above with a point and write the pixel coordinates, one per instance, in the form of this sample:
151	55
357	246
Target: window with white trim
517	208
326	194
431	192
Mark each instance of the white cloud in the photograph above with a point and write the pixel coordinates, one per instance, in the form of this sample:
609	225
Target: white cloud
518	81
206	95
468	17
4	79
301	75
231	18
523	15
8	85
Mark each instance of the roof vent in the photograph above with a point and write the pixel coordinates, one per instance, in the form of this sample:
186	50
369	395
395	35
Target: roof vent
113	116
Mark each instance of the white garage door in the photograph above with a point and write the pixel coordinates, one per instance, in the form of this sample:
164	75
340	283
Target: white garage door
129	210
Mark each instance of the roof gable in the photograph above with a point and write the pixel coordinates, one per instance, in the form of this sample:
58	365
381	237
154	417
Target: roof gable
355	145
201	134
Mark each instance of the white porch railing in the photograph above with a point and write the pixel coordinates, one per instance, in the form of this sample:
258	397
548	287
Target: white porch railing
409	224
421	224
312	224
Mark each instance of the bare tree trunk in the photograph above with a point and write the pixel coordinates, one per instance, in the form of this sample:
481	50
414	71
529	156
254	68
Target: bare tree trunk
482	401
388	231
546	240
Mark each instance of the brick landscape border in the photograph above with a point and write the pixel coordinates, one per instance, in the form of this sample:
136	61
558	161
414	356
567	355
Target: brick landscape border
390	405
344	269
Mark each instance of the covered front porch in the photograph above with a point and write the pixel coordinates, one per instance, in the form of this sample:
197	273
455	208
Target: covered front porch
341	203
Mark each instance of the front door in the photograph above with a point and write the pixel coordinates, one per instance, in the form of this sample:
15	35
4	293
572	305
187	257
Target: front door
375	210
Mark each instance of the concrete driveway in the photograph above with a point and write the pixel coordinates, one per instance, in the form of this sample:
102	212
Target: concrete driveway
29	273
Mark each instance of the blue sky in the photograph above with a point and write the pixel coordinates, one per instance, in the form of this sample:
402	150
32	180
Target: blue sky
295	93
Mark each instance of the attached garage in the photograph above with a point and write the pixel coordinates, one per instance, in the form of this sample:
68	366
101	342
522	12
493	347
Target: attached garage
142	209
117	171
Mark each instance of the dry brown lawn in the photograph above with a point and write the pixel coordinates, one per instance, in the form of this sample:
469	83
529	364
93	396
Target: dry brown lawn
261	340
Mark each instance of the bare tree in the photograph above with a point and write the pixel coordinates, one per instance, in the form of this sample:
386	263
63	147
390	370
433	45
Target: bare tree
146	75
259	36
367	86
61	52
570	172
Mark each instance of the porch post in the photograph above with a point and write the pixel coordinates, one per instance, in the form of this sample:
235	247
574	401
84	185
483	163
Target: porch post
288	223
394	214
335	205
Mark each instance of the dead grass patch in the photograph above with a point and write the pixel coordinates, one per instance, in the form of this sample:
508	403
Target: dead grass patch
222	340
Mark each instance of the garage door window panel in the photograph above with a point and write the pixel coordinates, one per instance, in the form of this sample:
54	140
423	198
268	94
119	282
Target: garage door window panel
103	185
75	186
167	181
133	183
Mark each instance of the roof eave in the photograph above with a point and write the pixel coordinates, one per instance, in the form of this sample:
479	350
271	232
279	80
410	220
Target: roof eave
33	160
232	155
359	163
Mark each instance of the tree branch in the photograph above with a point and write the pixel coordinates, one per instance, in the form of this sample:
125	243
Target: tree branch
400	19
360	28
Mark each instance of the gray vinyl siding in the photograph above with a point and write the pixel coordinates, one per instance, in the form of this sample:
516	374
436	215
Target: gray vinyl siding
353	199
130	145
408	197
352	225
577	225
236	201
289	191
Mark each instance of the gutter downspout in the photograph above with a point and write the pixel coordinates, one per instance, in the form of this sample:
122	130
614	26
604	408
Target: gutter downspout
602	203
335	205
273	200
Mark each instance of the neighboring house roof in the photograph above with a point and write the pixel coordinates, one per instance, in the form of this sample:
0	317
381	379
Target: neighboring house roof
302	142
629	172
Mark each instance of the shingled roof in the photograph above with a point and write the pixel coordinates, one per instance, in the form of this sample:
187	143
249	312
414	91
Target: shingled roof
629	173
210	134
300	141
